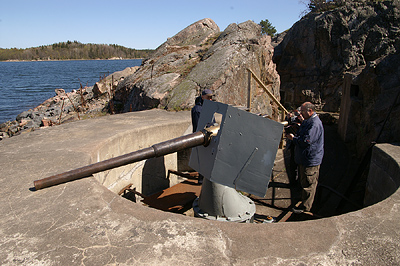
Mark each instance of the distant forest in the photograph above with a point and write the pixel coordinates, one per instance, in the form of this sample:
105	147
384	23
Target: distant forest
73	50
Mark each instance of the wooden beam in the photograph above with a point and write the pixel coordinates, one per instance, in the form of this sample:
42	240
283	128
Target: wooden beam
249	91
267	91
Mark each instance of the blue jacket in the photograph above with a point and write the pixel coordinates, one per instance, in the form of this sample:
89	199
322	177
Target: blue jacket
309	149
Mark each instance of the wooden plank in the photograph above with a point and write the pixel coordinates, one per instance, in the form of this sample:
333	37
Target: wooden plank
267	91
249	91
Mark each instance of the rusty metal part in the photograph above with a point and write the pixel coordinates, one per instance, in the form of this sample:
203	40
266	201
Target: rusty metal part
128	188
157	150
178	198
191	175
285	215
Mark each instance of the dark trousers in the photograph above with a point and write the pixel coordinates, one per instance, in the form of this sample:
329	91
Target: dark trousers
309	181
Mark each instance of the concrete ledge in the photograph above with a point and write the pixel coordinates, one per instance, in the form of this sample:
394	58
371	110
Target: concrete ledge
84	223
384	173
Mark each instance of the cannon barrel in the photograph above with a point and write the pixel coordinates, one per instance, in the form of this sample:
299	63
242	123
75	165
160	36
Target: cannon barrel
170	146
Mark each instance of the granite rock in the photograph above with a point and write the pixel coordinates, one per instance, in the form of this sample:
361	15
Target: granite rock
319	49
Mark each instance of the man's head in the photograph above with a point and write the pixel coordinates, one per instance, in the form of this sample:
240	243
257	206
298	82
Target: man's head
307	109
207	94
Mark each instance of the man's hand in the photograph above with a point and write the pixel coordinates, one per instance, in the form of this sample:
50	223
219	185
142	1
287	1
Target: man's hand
301	118
290	136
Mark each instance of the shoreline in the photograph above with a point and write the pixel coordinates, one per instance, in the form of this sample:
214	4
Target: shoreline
79	104
53	60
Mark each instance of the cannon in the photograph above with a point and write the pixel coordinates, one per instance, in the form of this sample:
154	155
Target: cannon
236	155
201	137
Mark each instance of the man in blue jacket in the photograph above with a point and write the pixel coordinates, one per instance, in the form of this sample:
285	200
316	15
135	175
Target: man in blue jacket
309	151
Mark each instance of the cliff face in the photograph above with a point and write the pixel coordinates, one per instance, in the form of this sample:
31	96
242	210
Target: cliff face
321	47
200	57
371	104
347	59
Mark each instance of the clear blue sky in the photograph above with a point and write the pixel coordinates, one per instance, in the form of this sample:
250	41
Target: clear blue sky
138	24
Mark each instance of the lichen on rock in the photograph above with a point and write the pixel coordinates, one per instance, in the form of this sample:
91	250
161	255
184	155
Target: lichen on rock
204	57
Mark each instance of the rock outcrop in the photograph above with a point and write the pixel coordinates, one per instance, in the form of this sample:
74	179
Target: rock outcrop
352	51
109	83
200	57
320	48
371	104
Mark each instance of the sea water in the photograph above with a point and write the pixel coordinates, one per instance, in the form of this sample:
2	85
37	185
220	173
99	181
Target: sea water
25	85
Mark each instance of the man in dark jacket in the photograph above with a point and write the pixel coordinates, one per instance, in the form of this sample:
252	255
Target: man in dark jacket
206	94
309	151
196	110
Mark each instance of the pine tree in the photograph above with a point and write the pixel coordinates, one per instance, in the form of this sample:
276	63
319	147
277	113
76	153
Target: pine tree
267	28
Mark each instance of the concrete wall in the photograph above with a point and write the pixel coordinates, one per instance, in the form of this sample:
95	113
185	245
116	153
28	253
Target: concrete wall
84	223
384	173
147	176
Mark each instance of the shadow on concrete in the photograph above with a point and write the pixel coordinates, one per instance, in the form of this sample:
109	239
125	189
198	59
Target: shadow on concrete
336	174
154	178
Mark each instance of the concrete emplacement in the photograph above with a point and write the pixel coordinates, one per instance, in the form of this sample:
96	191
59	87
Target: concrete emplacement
86	222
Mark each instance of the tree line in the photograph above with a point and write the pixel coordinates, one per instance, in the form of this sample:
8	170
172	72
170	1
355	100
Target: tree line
313	6
73	50
325	5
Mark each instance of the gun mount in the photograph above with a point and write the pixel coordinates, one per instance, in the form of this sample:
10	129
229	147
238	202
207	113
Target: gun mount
240	157
238	154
